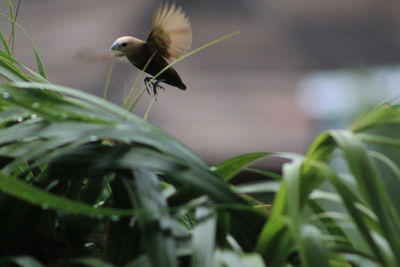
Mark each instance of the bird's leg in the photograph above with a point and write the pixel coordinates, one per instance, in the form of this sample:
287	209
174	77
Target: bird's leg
147	84
155	84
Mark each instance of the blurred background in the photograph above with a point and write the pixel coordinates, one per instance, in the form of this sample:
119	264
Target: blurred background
296	68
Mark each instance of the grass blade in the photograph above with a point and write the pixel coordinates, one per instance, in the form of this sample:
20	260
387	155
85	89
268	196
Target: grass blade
5	44
11	40
196	51
39	63
108	79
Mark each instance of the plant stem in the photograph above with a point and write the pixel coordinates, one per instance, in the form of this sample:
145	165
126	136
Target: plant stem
17	11
128	103
107	84
149	108
136	99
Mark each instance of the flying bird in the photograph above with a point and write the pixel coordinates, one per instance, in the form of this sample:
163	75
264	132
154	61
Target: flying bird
170	37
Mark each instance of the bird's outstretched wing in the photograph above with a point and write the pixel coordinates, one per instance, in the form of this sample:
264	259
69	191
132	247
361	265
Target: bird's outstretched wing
171	34
90	55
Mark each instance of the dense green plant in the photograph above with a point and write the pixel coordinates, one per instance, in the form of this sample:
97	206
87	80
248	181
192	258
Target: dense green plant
87	183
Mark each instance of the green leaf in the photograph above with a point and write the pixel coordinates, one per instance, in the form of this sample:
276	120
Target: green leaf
12	20
11	64
5	44
231	259
351	202
156	225
275	242
259	187
267	174
328	221
379	139
39	63
252	260
391	176
371	186
315	252
141	261
321	148
380	115
9	74
91	262
229	168
21	261
203	242
151	135
36	196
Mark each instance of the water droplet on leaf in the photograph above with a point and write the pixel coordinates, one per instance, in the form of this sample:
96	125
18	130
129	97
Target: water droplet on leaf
36	105
132	222
93	138
115	218
89	244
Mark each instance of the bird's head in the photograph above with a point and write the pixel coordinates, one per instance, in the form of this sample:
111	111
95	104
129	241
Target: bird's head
127	44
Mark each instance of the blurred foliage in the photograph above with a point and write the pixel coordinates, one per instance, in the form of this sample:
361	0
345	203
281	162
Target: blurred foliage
87	183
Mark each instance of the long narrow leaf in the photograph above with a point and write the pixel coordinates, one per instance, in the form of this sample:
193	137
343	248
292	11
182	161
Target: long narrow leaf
315	252
157	225
5	44
229	168
203	242
39	63
34	195
371	185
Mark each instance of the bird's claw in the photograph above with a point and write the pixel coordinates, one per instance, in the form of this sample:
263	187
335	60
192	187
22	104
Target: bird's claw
152	84
147	84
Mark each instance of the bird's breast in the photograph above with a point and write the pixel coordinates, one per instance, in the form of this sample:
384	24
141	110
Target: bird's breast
157	63
140	56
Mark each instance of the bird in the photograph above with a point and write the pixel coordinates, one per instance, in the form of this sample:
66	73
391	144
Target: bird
170	37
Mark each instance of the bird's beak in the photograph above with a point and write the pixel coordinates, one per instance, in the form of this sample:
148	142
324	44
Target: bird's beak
115	46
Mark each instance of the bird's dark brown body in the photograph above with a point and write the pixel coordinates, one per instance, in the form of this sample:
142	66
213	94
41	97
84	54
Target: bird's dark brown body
157	63
170	37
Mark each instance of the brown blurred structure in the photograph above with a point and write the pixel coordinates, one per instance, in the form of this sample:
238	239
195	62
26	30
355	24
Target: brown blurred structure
241	92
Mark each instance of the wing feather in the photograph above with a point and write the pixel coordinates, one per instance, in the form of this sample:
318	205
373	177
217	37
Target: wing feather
171	33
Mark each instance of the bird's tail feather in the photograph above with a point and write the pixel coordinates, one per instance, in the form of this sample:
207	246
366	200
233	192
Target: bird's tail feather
181	86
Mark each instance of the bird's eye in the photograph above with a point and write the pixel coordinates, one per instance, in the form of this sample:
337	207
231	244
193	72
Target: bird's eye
124	44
